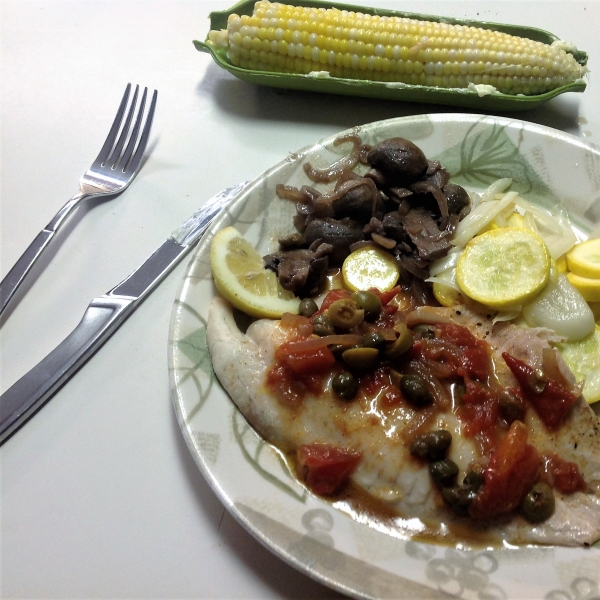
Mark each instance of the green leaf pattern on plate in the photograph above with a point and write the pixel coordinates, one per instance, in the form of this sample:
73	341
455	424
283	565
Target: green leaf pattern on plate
254	448
193	347
486	154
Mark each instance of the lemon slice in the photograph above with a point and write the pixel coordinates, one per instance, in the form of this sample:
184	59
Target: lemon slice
504	268
241	278
584	259
588	287
370	267
583	358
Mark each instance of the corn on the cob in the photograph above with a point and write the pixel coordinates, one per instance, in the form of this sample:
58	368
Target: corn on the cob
289	39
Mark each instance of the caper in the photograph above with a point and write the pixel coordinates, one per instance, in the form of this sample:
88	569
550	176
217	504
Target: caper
424	330
402	344
344	384
474	480
344	314
459	498
308	307
415	390
374	339
538	504
511	406
431	446
369	302
443	472
322	325
337	349
361	359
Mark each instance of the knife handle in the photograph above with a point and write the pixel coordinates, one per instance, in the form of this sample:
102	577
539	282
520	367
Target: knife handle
28	394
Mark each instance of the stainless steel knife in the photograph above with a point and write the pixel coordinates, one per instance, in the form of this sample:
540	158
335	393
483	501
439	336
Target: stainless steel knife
102	318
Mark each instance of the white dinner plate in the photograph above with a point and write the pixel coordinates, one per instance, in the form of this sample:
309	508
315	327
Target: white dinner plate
249	477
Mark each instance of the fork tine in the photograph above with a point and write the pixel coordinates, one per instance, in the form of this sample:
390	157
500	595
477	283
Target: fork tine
113	159
136	160
112	134
134	134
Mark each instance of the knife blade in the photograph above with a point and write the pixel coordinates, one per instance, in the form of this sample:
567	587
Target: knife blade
102	318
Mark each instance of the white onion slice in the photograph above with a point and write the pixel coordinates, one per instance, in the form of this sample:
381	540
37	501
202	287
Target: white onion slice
561	307
446	262
479	218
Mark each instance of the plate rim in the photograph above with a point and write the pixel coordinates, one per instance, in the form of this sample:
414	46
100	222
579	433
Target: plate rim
204	468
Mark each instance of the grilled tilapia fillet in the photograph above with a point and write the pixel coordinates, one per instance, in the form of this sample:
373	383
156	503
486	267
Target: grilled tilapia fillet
386	471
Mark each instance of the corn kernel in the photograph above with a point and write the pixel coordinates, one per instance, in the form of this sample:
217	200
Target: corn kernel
356	45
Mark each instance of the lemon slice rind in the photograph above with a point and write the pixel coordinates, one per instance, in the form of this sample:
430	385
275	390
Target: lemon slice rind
241	278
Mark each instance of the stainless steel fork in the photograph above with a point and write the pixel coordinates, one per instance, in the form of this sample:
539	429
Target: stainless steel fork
112	171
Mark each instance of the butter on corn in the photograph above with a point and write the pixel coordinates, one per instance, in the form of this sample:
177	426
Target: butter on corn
340	43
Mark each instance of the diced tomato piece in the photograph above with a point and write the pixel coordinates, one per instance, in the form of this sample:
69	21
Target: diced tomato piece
305	361
285	386
311	360
563	474
475	362
512	470
292	321
331	297
390	309
372	382
386	297
475	393
458	335
290	387
552	403
437	351
326	468
391	397
479	409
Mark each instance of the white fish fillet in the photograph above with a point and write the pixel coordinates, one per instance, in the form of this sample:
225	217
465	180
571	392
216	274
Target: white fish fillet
241	362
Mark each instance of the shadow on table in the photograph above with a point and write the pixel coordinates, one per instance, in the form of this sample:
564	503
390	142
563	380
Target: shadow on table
246	100
278	576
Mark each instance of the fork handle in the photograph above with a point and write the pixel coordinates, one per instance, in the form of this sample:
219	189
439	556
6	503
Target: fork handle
15	276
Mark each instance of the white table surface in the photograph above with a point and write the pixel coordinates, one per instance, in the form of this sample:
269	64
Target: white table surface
99	496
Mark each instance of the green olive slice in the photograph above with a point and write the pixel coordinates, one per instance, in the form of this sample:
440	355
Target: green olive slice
361	359
344	314
402	344
369	302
